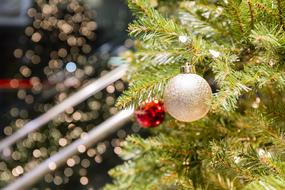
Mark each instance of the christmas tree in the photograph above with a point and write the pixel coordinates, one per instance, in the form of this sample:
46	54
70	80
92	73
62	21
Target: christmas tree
238	47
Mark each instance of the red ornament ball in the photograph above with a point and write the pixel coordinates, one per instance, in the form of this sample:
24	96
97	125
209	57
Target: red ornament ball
150	114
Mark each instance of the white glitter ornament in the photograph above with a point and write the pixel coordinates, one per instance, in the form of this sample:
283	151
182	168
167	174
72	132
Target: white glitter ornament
187	95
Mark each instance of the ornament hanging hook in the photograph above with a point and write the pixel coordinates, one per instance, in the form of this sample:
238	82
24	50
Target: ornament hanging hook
188	68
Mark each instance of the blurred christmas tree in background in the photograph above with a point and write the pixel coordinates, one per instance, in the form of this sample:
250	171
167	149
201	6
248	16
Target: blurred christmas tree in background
62	50
238	46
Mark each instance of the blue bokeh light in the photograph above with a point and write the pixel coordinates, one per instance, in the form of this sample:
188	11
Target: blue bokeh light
71	67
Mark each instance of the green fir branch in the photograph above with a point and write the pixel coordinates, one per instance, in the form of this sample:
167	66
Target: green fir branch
152	27
267	182
151	87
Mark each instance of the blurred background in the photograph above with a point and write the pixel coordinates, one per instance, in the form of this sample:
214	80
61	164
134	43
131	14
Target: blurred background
49	50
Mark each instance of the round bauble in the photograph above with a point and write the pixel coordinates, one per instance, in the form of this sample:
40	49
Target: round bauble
186	97
150	114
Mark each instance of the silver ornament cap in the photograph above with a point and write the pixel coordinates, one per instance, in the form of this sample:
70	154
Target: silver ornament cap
186	97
